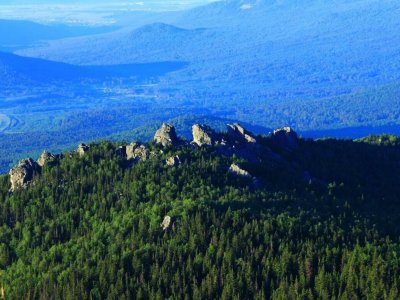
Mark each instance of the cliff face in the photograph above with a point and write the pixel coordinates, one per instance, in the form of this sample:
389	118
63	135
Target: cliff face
204	135
166	136
23	173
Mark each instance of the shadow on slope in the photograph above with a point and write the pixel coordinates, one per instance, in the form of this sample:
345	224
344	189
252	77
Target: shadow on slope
15	68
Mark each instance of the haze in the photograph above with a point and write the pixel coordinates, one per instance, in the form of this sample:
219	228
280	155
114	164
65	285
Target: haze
85	12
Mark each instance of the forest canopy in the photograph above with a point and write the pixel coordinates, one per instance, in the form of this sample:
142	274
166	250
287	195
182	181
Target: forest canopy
89	227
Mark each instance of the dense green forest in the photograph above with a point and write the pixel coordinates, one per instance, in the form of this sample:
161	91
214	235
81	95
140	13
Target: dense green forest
322	223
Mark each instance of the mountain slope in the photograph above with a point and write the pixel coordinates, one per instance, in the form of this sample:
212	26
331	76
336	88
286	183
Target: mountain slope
95	226
148	43
329	47
18	70
15	34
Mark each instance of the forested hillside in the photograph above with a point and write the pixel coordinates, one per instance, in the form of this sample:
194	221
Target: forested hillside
306	219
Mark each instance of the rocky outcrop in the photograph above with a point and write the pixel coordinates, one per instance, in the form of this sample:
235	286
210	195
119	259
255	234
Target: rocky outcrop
173	161
204	135
238	134
137	152
166	136
23	173
46	158
82	149
166	223
285	137
236	170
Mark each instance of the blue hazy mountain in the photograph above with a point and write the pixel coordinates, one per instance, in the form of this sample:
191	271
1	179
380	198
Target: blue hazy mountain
148	43
17	34
309	47
17	70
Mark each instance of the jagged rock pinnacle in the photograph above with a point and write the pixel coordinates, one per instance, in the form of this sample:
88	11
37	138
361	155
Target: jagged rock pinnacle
204	135
166	136
23	173
237	133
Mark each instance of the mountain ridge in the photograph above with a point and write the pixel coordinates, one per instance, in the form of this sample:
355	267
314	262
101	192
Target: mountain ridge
324	211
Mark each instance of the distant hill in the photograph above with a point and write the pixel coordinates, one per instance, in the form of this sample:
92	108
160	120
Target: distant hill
308	48
20	70
18	34
148	43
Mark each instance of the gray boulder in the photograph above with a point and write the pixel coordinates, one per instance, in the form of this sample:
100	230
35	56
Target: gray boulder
23	173
173	161
46	158
237	133
166	223
166	136
82	149
137	152
236	170
204	135
285	137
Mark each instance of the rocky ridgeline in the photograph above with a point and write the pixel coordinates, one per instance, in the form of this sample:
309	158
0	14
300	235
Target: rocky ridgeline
238	141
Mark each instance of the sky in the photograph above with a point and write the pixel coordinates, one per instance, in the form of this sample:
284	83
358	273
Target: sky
94	12
146	2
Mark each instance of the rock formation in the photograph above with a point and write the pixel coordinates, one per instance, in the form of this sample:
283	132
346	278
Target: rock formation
204	135
285	137
45	157
238	134
137	152
236	170
82	149
166	136
173	161
23	173
166	223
